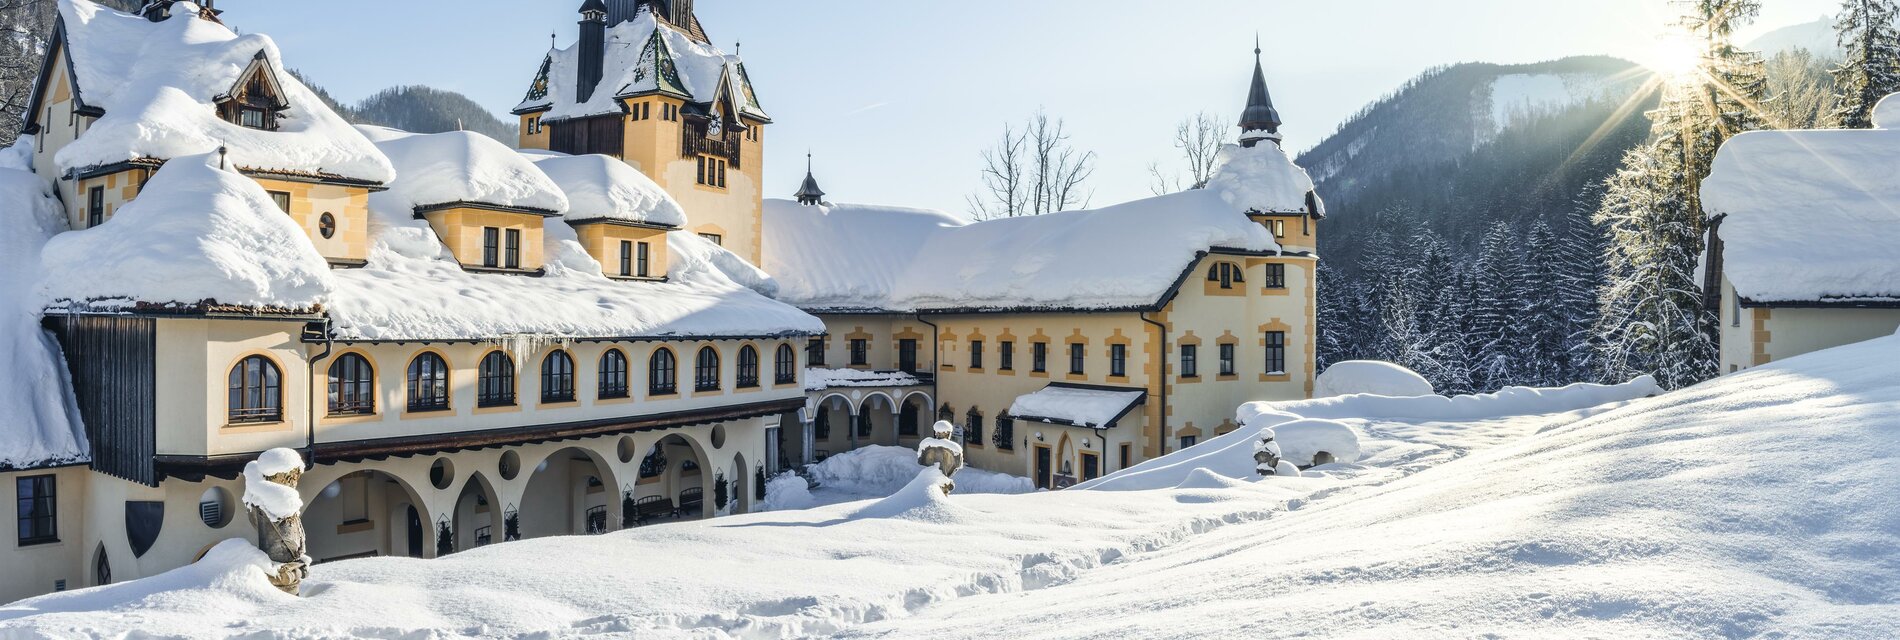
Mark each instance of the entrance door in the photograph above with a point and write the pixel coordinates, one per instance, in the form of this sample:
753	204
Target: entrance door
415	533
1091	466
1042	466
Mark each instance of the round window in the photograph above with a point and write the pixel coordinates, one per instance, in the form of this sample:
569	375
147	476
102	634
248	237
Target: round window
326	225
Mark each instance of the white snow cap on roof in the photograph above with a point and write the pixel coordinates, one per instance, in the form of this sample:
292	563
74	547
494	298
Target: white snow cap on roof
38	423
158	84
1811	214
461	166
196	233
1124	256
604	188
1261	179
629	68
1078	406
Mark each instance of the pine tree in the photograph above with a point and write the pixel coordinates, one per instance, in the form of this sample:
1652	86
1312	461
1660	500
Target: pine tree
1335	319
1545	322
1495	305
1871	68
1582	255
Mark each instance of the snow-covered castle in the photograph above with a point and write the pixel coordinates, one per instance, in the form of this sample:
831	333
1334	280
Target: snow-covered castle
609	326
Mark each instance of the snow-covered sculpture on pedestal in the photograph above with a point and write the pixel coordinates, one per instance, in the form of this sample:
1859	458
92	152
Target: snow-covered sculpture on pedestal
941	452
1266	457
270	493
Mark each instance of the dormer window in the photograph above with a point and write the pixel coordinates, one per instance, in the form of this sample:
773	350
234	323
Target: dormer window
257	101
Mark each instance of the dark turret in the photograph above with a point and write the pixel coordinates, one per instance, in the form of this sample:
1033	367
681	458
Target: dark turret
809	194
1260	121
593	53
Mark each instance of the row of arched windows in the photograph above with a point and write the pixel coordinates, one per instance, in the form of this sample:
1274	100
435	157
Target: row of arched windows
256	383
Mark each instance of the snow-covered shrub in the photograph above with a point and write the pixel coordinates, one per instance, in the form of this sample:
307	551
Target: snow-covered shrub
1370	377
1302	441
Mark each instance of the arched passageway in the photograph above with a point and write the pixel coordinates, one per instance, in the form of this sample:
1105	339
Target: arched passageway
367	514
571	493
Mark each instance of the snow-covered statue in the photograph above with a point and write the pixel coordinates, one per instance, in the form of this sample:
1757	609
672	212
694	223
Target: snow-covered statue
1266	457
270	493
942	452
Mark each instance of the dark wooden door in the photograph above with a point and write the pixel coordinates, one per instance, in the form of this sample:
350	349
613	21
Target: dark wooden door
1042	467
415	533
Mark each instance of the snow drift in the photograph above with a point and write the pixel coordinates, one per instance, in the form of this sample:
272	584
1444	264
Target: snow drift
1370	377
38	423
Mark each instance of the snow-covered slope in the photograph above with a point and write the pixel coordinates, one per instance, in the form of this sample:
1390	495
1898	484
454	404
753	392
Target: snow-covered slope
38	424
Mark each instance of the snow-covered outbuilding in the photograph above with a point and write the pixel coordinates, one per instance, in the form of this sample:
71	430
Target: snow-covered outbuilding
1802	225
1190	301
468	343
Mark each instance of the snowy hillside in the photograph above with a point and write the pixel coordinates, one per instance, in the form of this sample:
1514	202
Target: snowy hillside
1817	37
1757	504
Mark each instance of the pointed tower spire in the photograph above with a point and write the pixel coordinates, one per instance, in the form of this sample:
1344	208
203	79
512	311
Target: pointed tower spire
1260	121
809	194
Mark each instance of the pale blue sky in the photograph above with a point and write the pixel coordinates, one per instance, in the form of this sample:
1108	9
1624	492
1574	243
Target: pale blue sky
898	97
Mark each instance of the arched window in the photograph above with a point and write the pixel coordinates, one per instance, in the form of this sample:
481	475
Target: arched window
428	383
352	386
973	427
786	369
1004	437
557	377
662	374
907	419
748	367
256	391
613	374
706	371
1226	273
496	386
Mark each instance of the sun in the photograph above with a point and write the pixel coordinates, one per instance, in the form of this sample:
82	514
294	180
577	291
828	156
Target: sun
1673	57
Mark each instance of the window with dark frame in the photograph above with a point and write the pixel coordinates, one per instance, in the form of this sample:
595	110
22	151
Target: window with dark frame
1004	435
514	249
662	374
815	352
282	198
626	258
785	370
256	392
1227	360
706	370
748	367
37	508
860	352
1276	276
428	383
907	355
352	386
1006	355
1276	352
613	374
491	247
557	377
95	207
973	427
1189	441
495	386
1118	360
714	238
976	354
1190	361
1039	357
640	261
1077	352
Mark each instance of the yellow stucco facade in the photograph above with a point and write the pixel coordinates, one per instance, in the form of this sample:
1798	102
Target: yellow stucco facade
465	231
603	240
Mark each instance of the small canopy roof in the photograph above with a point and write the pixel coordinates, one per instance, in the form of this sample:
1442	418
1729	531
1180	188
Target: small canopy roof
1078	405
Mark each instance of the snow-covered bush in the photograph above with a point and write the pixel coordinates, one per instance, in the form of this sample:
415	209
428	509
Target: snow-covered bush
1302	441
1371	377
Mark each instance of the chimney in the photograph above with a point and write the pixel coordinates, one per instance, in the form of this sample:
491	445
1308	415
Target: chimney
593	53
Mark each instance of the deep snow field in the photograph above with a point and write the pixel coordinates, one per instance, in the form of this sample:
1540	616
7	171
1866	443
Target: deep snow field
1761	504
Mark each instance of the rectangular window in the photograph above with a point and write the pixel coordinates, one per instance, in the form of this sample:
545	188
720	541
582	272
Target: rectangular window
1227	360
626	258
1006	356
514	248
976	354
907	355
38	509
491	247
815	352
1276	276
1190	361
95	207
1127	455
714	238
282	198
1118	360
1039	357
1188	441
1077	352
722	174
700	177
1735	309
641	260
860	352
1276	352
1279	228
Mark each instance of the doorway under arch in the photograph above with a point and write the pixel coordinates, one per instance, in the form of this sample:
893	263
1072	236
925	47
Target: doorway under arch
366	514
572	492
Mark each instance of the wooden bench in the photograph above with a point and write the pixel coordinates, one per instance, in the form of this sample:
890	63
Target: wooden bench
692	502
649	508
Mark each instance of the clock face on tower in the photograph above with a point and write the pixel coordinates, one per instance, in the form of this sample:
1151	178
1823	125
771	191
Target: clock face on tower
716	127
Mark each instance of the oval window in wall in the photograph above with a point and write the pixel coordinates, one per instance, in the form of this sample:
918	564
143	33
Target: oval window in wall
326	225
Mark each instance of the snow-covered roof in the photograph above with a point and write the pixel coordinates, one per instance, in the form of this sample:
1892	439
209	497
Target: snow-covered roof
1123	256
158	84
643	55
822	379
1811	215
195	234
461	167
1092	407
603	188
38	424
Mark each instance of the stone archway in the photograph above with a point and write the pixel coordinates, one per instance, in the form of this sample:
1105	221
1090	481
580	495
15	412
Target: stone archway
876	420
477	514
913	418
832	427
688	476
570	492
366	513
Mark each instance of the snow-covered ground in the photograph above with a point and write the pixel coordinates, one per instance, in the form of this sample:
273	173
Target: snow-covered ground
875	472
1758	504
